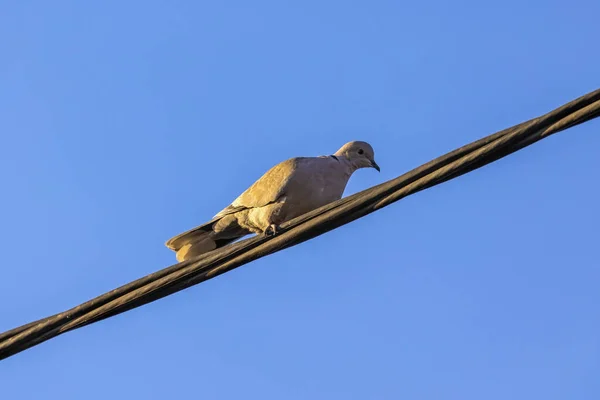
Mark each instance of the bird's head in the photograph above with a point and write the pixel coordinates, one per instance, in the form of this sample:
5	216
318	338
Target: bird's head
359	154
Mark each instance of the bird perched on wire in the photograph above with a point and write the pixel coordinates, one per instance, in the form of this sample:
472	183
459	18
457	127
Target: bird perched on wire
286	191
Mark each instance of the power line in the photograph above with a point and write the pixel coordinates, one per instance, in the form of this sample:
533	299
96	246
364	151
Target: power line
183	275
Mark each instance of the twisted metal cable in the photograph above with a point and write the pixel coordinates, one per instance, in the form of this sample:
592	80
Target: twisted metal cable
188	273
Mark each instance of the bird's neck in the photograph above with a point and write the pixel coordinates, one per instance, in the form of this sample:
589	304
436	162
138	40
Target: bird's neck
349	167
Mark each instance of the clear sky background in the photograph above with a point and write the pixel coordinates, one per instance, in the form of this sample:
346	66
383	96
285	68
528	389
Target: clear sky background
124	123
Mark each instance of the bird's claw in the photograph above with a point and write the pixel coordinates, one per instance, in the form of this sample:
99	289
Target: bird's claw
272	230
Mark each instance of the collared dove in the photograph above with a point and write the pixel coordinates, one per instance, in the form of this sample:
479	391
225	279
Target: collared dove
288	190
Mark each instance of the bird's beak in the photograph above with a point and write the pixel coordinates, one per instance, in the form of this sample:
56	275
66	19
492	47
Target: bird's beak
374	165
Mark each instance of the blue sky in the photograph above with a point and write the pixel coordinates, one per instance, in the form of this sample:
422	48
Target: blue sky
125	123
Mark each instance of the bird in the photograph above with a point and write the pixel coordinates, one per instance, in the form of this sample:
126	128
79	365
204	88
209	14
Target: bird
287	190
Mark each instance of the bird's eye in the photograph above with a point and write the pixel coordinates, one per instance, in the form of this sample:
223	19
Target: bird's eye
360	151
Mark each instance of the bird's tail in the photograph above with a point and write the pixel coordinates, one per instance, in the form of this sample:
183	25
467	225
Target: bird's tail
199	240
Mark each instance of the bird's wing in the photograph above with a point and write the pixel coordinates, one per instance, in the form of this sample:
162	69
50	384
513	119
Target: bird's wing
268	189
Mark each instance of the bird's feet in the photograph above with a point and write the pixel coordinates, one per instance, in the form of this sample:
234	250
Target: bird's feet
272	230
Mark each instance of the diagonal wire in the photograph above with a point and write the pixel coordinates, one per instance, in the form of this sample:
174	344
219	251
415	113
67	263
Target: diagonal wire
183	275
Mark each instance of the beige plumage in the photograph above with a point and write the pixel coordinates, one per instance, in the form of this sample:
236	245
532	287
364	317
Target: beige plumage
288	190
